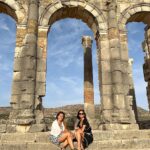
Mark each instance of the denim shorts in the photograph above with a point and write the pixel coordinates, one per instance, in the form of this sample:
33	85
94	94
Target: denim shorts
54	139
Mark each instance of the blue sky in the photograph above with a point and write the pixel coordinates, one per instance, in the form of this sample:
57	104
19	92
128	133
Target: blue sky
65	62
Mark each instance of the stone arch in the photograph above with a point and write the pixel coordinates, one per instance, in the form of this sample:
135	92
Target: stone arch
13	9
134	13
89	14
85	11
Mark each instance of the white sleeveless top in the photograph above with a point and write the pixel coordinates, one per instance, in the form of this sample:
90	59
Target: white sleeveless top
56	129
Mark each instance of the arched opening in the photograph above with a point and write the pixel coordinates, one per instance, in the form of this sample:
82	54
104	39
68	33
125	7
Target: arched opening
4	8
136	25
69	81
8	42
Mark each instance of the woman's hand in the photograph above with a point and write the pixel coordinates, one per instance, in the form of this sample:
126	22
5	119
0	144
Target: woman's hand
76	128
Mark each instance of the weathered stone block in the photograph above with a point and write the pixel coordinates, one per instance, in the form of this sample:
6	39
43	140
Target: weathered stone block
37	128
10	129
126	79
124	54
115	53
16	88
104	54
30	39
106	89
117	77
26	87
41	88
2	128
105	77
107	102
24	63
114	43
29	50
118	89
119	101
14	146
113	33
39	146
105	66
107	116
41	65
41	77
116	65
16	76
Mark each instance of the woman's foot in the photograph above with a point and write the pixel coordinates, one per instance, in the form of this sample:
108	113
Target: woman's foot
82	148
62	148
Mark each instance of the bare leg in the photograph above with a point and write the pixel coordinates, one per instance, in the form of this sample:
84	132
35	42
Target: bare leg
65	144
67	136
79	139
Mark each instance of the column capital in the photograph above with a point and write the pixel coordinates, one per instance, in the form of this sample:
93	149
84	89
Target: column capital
87	41
130	61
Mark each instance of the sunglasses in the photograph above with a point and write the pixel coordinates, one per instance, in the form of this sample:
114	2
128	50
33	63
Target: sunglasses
81	113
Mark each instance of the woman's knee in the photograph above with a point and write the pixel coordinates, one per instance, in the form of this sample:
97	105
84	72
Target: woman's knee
68	134
79	131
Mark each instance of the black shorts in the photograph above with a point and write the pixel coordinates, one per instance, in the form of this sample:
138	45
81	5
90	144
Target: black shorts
88	139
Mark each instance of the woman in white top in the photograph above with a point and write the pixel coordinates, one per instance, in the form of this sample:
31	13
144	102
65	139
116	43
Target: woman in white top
59	133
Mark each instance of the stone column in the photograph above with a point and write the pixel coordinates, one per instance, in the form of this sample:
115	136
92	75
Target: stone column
26	64
132	99
88	79
119	114
146	66
127	77
41	75
105	82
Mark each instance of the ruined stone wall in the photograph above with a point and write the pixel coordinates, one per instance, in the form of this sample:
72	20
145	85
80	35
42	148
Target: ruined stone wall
107	19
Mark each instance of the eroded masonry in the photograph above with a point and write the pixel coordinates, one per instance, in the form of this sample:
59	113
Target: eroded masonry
107	19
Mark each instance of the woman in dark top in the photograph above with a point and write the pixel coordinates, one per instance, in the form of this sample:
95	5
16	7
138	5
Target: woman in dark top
83	131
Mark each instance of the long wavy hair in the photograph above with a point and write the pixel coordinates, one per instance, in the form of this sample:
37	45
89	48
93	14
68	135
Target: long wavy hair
79	113
60	112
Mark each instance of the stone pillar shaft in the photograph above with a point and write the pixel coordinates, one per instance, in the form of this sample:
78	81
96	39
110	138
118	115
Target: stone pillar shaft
146	66
104	78
88	77
120	114
27	63
132	99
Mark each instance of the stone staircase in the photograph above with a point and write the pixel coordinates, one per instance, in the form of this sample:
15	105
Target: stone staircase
103	140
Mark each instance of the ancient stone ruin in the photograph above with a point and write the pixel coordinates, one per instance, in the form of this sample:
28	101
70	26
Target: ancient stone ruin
107	19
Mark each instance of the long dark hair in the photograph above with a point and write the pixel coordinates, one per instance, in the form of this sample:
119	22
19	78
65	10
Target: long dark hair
79	113
60	112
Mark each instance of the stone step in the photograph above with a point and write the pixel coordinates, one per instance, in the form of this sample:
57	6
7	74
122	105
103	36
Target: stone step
120	134
103	145
98	136
27	146
120	144
26	137
125	149
103	140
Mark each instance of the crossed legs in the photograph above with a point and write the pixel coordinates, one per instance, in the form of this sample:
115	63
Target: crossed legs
66	138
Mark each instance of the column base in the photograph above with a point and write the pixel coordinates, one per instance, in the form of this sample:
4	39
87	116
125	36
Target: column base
26	128
119	127
94	123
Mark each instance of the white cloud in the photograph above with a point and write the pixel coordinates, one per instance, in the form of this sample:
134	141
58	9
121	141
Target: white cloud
79	61
69	80
3	25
